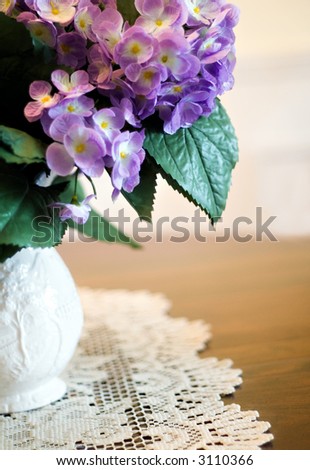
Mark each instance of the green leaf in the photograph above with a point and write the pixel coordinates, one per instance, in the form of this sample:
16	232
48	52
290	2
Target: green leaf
25	216
68	190
18	147
142	197
101	229
7	251
174	184
96	227
199	159
15	52
128	10
14	37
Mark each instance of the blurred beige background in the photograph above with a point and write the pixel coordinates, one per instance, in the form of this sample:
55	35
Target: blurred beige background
269	107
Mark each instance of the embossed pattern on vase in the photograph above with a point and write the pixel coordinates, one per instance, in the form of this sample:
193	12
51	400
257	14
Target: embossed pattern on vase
40	320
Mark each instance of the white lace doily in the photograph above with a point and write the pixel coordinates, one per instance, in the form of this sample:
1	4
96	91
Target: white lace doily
137	382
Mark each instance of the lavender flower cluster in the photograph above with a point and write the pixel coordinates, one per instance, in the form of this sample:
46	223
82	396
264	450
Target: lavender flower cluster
174	61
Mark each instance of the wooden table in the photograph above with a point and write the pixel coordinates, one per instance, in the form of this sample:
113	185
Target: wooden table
256	296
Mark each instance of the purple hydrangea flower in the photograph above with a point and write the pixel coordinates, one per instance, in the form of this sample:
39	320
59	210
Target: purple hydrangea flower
221	72
40	91
157	15
228	18
76	85
128	112
174	55
214	43
40	30
171	92
87	149
184	114
84	19
145	80
108	28
202	11
77	211
109	120
196	99
100	67
81	106
145	106
71	49
57	11
135	47
60	126
119	89
128	155
215	48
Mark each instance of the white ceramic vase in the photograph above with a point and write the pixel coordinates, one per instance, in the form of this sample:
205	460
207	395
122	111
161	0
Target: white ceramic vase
40	324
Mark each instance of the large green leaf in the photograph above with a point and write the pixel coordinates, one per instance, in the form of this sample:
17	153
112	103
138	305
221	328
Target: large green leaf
174	184
25	217
142	197
18	147
200	159
13	190
96	227
128	10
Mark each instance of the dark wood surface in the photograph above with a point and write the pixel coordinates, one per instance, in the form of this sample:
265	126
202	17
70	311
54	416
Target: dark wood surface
256	296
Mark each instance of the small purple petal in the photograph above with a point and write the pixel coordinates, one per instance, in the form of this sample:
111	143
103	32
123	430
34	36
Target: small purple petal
39	89
33	111
59	160
60	126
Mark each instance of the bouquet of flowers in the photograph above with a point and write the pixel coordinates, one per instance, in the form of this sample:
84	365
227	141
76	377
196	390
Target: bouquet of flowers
127	87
